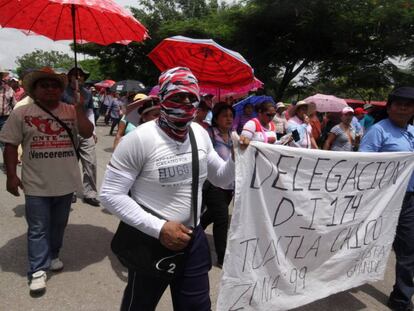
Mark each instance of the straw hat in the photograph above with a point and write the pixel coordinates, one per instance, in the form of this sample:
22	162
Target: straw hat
45	73
280	105
147	107
311	107
139	96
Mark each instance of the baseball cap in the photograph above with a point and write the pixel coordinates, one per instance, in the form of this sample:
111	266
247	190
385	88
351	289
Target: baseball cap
360	110
347	110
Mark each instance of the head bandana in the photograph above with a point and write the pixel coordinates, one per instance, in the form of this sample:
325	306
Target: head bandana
175	118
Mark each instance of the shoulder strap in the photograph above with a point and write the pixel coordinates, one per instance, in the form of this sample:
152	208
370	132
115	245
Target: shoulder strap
195	172
64	125
259	128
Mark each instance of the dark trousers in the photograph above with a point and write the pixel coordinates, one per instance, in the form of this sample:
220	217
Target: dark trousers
404	251
190	291
115	122
3	120
217	202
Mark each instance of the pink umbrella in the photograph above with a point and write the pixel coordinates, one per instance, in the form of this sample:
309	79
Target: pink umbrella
327	103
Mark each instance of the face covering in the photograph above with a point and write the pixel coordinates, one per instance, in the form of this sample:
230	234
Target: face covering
175	118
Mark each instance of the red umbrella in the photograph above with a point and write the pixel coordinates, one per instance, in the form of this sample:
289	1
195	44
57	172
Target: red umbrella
105	84
99	21
236	91
213	65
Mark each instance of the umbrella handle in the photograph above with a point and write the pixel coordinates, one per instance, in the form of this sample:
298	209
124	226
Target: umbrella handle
77	92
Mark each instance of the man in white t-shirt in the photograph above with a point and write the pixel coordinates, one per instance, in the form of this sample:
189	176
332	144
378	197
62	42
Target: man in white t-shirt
300	122
50	171
154	163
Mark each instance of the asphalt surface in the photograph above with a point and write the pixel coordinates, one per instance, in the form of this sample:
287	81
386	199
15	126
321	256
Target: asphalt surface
93	279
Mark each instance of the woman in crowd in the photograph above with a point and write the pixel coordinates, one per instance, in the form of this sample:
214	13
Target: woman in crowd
115	112
147	112
280	120
201	114
241	120
261	128
342	136
217	199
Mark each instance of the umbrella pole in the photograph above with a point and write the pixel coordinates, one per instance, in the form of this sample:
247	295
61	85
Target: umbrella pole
73	13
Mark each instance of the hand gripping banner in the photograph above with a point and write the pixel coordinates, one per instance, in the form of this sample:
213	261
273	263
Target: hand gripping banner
308	224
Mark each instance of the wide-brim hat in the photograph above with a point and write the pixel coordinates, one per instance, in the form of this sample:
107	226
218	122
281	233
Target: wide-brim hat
311	107
280	105
139	96
84	73
147	107
32	77
2	70
404	92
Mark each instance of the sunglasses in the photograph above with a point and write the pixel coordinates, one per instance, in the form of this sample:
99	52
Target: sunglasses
182	97
47	85
271	115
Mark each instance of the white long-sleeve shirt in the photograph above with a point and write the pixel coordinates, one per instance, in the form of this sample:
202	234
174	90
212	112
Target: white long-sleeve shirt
158	171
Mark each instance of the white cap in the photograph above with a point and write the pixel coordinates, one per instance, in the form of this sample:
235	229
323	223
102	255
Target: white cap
347	110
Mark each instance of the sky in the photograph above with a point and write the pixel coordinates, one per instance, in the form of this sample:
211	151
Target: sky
14	43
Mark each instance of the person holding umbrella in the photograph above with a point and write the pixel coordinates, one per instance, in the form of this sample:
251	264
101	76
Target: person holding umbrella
342	136
50	170
86	146
156	165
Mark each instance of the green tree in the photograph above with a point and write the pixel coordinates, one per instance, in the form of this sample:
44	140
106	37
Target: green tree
163	18
93	67
281	38
39	58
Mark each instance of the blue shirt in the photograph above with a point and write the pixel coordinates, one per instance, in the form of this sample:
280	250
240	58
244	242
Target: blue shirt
357	126
69	97
385	136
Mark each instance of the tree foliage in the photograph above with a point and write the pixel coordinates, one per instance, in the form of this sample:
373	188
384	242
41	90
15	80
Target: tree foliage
39	58
349	42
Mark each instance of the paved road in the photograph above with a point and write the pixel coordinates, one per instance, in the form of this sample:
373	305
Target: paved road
93	280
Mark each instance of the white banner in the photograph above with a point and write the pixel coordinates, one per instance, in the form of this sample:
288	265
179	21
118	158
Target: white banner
307	224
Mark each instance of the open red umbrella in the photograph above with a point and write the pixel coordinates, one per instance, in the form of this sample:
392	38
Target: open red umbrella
99	21
213	65
105	84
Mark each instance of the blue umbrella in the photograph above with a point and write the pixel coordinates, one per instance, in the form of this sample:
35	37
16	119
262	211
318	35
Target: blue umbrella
252	100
